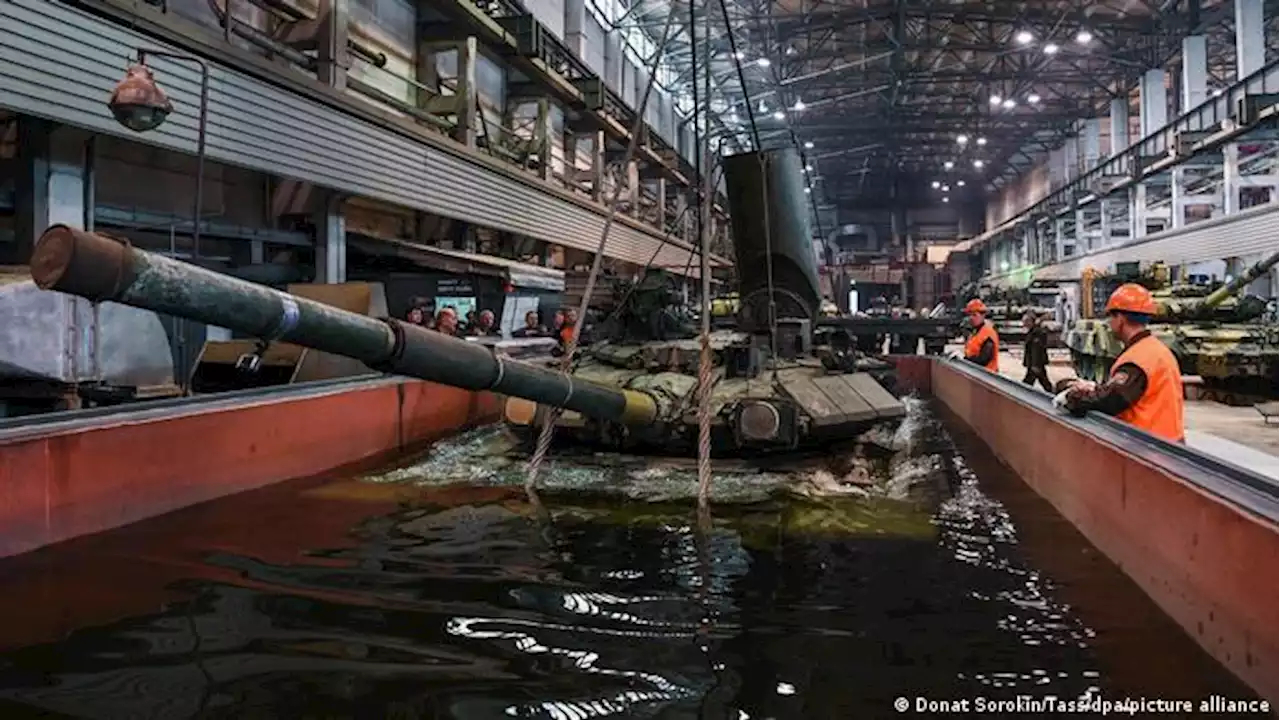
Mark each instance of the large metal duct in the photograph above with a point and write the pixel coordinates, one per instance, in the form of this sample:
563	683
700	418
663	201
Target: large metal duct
770	215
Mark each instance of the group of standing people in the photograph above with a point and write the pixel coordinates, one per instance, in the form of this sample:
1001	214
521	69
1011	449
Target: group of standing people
1144	386
446	321
483	324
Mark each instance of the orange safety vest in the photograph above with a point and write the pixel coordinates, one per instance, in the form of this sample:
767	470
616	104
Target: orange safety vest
1160	409
974	344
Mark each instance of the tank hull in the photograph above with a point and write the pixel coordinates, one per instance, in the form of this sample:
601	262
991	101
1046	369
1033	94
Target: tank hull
805	405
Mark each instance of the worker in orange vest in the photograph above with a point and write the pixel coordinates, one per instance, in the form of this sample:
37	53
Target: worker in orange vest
983	346
1144	388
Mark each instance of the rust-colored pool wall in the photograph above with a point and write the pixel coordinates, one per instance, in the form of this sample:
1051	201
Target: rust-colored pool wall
62	485
1210	566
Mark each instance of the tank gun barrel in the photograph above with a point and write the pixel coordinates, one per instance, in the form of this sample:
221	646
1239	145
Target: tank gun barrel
97	268
1217	297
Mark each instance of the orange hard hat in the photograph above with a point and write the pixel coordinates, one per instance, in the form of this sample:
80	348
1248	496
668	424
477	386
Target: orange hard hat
1132	298
975	306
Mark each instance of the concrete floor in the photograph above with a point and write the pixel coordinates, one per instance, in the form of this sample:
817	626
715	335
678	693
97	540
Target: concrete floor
1235	434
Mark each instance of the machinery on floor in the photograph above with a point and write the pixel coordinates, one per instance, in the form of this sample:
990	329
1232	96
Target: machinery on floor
1214	332
773	390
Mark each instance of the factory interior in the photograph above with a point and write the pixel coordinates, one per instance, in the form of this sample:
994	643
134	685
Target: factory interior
639	358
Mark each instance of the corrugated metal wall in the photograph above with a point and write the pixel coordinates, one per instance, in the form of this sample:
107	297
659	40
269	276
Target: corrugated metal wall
259	126
1247	234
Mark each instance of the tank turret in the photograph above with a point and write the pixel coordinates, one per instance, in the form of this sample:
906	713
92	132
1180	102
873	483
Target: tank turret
1197	303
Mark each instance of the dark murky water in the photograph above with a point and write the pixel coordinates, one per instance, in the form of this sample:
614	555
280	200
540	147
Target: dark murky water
471	607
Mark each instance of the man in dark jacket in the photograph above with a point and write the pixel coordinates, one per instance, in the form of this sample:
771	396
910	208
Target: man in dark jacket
1035	352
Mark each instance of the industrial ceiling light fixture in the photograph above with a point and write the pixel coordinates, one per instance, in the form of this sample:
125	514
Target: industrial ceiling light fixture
982	141
1024	37
946	188
960	183
946	199
798	106
779	115
1034	99
948	165
1084	37
808	144
1009	103
936	184
140	105
978	164
1050	48
762	62
137	102
962	139
995	99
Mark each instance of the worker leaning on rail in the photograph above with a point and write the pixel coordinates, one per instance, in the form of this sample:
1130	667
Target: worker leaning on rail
983	345
1144	388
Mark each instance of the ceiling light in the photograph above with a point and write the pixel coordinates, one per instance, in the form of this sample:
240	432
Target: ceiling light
1009	103
739	55
946	199
1217	92
960	183
1024	37
791	50
808	168
962	139
779	115
948	165
763	108
982	141
1050	49
1034	99
762	62
936	184
1084	37
946	188
807	191
978	164
799	105
808	144
995	99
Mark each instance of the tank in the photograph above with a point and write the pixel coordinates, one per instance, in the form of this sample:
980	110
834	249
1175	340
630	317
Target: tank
773	391
1214	332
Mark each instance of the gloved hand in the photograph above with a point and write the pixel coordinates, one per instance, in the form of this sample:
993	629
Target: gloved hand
1060	400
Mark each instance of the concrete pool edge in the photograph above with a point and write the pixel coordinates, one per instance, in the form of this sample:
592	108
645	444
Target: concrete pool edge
1210	565
59	485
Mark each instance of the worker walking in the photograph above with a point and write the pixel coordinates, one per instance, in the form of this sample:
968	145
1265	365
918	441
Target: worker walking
1144	388
983	346
1035	352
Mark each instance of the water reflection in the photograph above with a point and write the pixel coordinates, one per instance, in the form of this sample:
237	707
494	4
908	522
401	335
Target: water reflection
487	611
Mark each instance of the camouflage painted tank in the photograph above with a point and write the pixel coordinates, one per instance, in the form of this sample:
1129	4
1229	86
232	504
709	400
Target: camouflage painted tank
773	391
1214	333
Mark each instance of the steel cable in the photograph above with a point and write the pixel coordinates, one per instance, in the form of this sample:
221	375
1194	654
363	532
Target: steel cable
553	414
